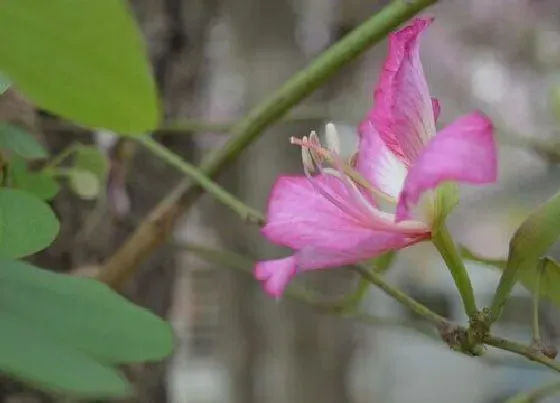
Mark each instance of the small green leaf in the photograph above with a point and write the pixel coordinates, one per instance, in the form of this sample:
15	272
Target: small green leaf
42	185
27	224
83	60
4	83
470	255
91	159
537	233
84	183
16	139
550	280
530	242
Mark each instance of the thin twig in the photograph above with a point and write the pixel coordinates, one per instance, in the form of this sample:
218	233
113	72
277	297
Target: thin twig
158	225
521	349
306	296
536	300
247	213
416	307
536	394
229	259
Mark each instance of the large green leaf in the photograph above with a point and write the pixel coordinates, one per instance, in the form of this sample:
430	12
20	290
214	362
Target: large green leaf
20	142
64	333
27	224
83	60
83	313
31	357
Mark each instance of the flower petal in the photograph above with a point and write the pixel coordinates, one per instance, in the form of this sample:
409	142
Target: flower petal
464	151
275	274
298	215
321	212
327	228
404	112
378	164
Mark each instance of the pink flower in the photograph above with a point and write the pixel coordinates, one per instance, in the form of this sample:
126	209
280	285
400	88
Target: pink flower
332	216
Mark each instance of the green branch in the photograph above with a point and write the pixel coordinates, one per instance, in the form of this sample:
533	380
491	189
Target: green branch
236	261
529	352
537	394
247	213
377	280
443	242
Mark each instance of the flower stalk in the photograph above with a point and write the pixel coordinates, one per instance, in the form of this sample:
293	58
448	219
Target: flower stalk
445	245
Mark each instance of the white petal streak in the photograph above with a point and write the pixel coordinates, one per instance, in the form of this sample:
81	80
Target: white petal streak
390	174
378	164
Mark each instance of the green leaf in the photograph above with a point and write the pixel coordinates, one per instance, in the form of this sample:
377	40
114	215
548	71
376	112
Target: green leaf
49	365
42	185
530	242
4	83
83	60
91	159
84	183
470	255
550	280
73	330
27	224
16	139
537	233
84	314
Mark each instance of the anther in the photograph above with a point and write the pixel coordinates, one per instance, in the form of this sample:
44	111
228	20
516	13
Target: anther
333	139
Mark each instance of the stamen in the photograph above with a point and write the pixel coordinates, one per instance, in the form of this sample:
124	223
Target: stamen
319	155
342	205
333	139
308	165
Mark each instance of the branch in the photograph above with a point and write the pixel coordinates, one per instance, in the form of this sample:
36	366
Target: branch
155	229
536	394
247	213
233	260
302	295
443	242
416	307
521	349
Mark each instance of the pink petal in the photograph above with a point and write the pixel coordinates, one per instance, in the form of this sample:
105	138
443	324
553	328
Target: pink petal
404	112
325	231
464	151
322	213
378	164
298	215
369	246
275	274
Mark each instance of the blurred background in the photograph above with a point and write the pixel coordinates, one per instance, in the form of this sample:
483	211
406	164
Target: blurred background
215	59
